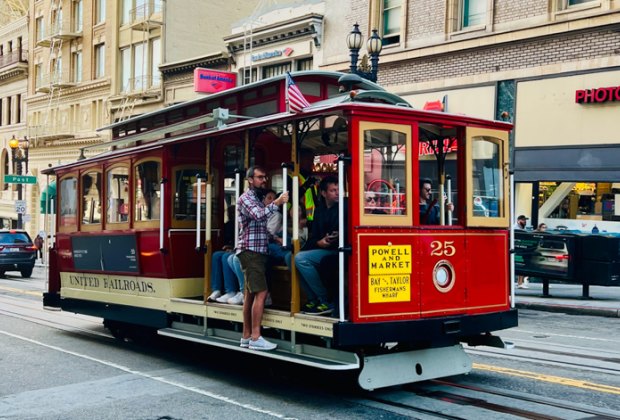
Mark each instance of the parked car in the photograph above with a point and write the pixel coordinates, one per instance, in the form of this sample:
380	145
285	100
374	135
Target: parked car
17	252
551	255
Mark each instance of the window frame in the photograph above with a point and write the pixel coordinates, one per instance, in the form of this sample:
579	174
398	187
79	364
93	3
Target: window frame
73	227
502	139
185	223
118	225
86	227
154	223
387	219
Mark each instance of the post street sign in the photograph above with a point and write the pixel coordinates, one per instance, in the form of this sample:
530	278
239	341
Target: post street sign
20	179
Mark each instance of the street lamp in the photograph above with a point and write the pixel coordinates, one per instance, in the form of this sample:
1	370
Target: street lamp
373	46
19	152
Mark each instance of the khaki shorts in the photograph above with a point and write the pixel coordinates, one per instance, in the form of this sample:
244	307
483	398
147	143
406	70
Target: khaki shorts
254	267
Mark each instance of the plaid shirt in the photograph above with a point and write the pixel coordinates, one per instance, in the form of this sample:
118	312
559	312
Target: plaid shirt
253	217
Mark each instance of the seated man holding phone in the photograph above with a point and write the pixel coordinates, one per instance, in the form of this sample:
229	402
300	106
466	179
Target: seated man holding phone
323	241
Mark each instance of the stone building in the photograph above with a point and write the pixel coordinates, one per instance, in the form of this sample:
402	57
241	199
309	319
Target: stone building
13	83
525	61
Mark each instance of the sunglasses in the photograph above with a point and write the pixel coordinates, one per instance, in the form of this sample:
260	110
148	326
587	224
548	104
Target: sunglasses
427	189
265	177
369	199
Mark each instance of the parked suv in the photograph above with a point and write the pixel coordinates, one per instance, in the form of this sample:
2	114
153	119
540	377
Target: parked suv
17	252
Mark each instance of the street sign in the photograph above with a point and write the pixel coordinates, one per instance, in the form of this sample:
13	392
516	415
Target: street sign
20	179
20	206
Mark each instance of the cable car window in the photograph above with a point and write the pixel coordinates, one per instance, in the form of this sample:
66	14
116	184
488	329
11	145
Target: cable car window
68	201
147	193
186	193
385	165
117	184
487	177
385	170
91	198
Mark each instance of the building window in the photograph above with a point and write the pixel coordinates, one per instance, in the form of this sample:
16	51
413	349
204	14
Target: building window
473	12
304	64
77	15
249	75
77	66
9	102
126	11
275	70
391	19
576	2
99	61
155	61
125	69
100	11
39	28
18	109
38	75
139	70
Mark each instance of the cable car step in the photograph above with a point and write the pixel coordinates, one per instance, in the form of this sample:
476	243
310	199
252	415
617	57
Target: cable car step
319	357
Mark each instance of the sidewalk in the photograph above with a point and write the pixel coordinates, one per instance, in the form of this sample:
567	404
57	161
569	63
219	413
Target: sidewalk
567	298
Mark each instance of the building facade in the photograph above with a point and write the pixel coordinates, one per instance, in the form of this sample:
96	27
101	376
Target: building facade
13	88
526	62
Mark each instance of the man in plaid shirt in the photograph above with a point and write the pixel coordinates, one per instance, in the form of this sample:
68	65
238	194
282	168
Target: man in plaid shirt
252	250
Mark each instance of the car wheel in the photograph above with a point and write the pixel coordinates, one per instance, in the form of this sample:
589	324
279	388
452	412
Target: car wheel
2	272
26	272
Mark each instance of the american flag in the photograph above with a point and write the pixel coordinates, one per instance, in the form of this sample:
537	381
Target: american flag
296	100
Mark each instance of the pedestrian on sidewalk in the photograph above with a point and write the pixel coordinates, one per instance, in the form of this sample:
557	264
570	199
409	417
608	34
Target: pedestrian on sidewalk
522	281
38	242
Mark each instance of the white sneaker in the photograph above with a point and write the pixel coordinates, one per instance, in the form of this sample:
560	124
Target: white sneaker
268	301
236	299
216	294
261	344
224	298
245	342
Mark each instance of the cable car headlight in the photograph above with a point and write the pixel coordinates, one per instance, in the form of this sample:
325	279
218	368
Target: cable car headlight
443	276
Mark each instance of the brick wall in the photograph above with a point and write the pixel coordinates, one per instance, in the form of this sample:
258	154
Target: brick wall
425	18
510	10
518	55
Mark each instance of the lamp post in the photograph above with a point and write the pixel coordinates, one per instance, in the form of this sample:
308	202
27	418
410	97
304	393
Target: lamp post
19	152
373	46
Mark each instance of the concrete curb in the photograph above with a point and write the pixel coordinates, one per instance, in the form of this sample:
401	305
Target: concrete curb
570	309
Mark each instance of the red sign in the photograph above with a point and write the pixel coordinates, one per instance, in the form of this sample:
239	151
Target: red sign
212	81
598	95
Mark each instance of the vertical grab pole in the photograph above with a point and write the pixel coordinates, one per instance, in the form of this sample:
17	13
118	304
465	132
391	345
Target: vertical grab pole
237	194
198	208
512	240
341	223
208	199
285	209
161	214
449	193
295	209
397	185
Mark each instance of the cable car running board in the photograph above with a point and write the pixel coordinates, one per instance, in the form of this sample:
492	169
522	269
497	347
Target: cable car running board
303	354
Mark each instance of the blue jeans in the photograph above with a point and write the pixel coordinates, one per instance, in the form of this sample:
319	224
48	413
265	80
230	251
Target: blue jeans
235	265
307	263
278	255
222	276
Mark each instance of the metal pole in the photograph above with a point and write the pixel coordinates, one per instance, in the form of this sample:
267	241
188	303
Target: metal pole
19	193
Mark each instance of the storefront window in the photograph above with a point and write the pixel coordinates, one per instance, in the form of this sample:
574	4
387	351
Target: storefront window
578	200
91	198
147	192
118	195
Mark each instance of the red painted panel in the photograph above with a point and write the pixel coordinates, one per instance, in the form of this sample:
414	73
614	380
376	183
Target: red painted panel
385	287
488	266
443	251
152	260
185	261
